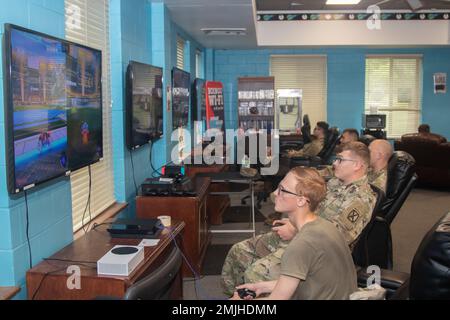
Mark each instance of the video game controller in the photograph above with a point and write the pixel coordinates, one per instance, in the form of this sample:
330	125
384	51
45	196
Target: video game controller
246	292
278	224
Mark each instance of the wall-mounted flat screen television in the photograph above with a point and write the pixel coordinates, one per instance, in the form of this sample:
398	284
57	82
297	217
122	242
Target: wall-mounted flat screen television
144	115
53	107
181	84
199	108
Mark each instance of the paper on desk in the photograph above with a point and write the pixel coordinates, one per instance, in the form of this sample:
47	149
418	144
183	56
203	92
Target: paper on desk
148	243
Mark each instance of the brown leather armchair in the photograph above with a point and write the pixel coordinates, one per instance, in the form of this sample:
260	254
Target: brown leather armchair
432	155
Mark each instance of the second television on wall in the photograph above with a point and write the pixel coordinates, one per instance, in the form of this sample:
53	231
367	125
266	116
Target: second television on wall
144	115
181	84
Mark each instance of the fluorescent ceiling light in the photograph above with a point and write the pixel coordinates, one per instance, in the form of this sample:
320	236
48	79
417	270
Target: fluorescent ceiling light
343	1
224	31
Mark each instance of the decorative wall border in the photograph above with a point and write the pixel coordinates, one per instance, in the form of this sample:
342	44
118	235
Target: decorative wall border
400	16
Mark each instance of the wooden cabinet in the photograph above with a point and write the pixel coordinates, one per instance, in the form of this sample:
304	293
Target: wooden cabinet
48	279
193	211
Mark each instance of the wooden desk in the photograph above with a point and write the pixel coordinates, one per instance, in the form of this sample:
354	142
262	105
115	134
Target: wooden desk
48	280
192	210
7	293
217	204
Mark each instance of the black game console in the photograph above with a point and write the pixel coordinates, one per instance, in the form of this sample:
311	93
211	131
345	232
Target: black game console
136	228
156	186
180	186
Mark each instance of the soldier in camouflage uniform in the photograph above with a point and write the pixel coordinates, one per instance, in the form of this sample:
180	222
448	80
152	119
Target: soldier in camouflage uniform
348	205
316	145
380	153
310	149
378	178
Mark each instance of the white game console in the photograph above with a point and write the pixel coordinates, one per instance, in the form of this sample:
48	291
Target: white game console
120	260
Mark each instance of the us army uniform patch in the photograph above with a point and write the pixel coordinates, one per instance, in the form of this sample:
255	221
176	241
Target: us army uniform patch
353	216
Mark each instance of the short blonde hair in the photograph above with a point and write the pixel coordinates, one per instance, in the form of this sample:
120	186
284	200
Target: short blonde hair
310	184
359	149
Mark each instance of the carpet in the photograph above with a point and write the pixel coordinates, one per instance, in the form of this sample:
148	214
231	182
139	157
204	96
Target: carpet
214	258
241	214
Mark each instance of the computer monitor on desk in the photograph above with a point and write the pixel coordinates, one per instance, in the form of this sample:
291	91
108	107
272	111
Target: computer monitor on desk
374	125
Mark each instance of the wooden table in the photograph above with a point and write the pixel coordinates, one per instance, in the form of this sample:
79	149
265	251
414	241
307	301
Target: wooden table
48	280
217	204
7	293
236	178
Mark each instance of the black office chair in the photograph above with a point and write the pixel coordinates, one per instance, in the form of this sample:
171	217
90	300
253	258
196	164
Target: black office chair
429	278
400	181
297	145
332	141
323	157
366	139
158	284
360	251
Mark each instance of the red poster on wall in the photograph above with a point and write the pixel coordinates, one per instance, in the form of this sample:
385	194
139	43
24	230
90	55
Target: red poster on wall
214	105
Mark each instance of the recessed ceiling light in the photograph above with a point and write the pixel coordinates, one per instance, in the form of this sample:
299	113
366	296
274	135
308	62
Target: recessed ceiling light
343	1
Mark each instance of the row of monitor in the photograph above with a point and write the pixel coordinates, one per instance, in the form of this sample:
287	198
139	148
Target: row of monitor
144	114
53	106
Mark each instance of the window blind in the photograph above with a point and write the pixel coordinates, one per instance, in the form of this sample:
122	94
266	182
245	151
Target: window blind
87	23
308	73
393	87
180	52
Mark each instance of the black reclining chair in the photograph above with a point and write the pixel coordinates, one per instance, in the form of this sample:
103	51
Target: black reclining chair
290	145
430	269
158	284
400	181
360	251
323	157
366	139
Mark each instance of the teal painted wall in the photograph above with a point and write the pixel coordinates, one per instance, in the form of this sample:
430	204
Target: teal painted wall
50	210
345	78
139	31
143	32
